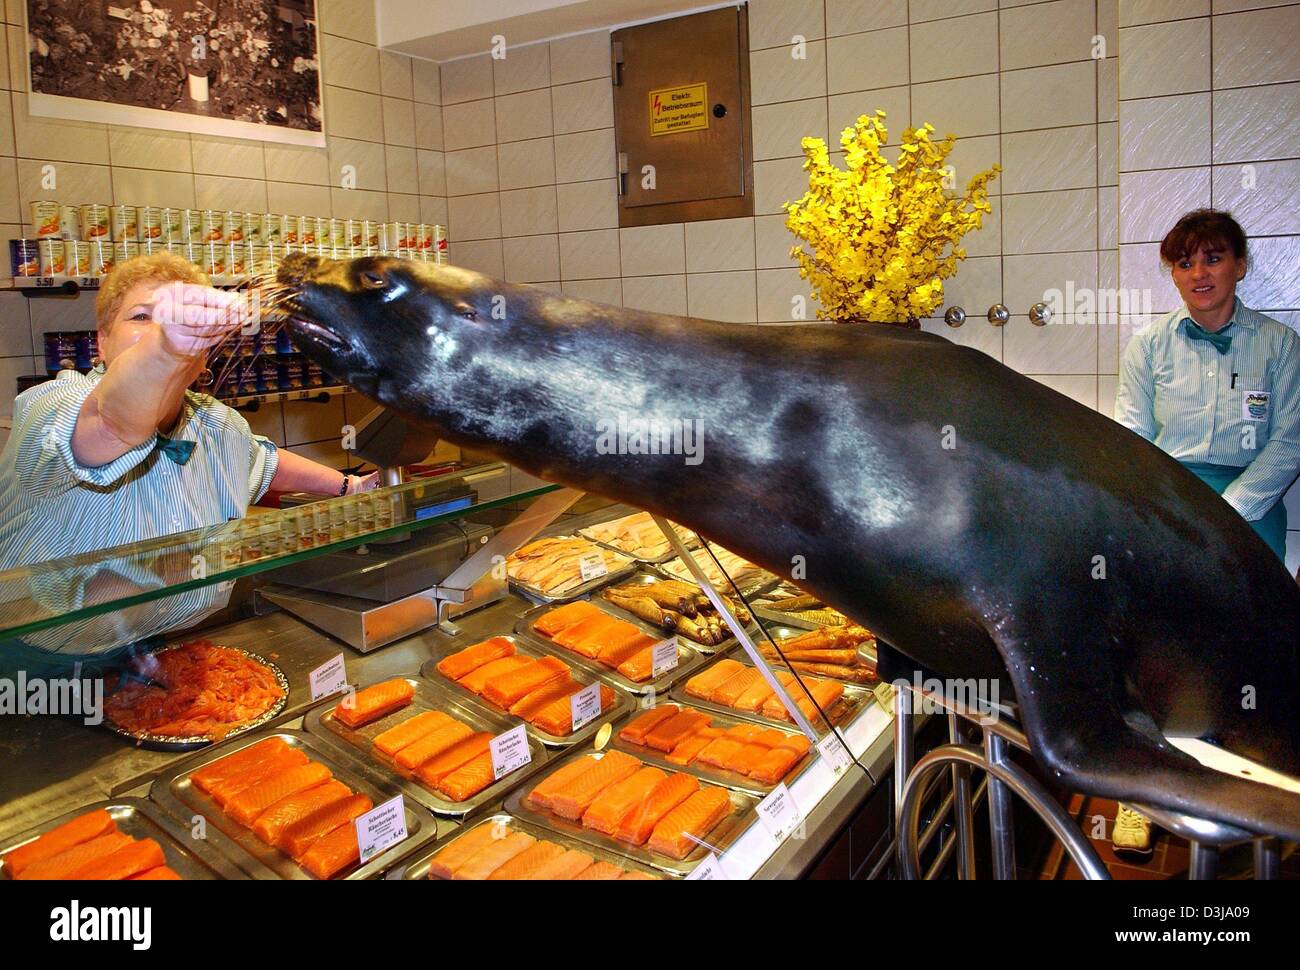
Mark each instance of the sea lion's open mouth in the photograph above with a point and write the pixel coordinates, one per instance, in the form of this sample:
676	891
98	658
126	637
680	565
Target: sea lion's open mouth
302	328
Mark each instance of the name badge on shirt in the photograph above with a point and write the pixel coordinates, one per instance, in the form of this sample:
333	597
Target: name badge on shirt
1254	405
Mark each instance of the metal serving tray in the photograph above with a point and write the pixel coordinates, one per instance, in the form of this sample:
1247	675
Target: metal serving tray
174	792
722	835
322	725
727	779
418	868
854	699
624	568
867	651
764	582
189	857
688	537
646	579
688	658
527	648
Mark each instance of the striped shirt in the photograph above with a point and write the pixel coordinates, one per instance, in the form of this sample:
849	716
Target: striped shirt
51	506
1240	409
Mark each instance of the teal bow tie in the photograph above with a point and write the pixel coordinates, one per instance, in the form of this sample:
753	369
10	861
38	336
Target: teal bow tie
177	450
1221	339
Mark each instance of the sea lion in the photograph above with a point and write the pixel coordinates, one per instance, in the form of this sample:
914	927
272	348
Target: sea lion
981	523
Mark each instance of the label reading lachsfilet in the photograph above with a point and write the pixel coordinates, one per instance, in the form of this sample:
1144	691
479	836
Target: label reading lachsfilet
329	678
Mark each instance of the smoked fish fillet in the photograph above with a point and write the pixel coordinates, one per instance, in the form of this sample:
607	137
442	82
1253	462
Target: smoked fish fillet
773	707
562	867
505	690
433	771
572	800
374	702
65	863
677	833
669	793
151	875
301	836
583	632
223	791
703	685
635	730
124	863
436	742
271	824
688	750
445	863
795	742
252	802
527	863
640	666
721	751
81	829
772	766
600	870
746	759
672	732
557	717
457	665
615	803
409	731
593	643
493	856
619	649
528	705
562	617
332	853
209	776
541	795
730	692
476	680
469	779
753	698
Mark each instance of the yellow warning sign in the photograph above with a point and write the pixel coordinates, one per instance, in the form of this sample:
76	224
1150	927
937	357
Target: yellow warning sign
683	108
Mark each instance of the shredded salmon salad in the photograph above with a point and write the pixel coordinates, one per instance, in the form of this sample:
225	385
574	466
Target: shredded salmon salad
210	691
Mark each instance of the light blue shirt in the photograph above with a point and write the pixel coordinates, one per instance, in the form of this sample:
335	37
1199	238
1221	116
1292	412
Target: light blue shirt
1240	409
52	507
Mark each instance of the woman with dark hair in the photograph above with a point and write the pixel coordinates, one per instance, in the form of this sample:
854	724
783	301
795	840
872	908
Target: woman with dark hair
1217	386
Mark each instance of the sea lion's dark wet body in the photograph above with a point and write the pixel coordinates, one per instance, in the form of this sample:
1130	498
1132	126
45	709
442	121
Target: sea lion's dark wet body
825	444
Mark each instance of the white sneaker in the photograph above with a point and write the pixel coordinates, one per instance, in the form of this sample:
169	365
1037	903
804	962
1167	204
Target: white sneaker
1132	831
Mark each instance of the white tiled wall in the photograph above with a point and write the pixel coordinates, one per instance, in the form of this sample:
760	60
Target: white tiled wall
383	116
1209	101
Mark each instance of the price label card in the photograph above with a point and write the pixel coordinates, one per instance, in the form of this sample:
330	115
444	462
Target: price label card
710	868
329	678
834	752
779	814
380	828
592	566
585	706
509	752
664	657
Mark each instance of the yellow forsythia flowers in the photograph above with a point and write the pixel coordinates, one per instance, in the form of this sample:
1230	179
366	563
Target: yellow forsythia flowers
881	239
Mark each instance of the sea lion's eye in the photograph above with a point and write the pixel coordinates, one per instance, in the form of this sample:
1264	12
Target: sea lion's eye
372	281
465	311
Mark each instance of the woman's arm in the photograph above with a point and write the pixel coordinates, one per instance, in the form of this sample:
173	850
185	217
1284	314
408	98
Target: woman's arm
1135	396
298	474
1267	478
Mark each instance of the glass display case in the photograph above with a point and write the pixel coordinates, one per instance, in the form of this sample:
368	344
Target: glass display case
533	682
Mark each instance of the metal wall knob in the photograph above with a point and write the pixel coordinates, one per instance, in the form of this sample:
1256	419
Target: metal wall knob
1040	314
955	316
999	315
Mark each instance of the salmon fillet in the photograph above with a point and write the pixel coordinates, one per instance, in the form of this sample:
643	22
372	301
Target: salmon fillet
771	737
600	870
436	742
773	765
528	705
505	690
271	824
688	750
223	791
457	665
374	702
433	771
748	733
209	776
552	622
81	829
495	855
572	800
527	863
469	779
540	797
678	833
586	632
152	875
617	801
65	863
669	793
640	666
795	742
409	731
753	698
557	717
301	836
635	730
332	853
462	849
252	802
562	867
703	685
124	863
619	649
633	874
672	732
476	680
720	751
746	759
730	692
773	707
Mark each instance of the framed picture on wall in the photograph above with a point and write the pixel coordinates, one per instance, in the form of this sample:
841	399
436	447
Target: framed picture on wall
236	68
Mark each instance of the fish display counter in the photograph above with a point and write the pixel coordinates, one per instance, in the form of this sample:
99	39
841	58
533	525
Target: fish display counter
587	716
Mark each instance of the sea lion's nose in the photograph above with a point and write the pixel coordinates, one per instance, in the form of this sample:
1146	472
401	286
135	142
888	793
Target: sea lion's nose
296	268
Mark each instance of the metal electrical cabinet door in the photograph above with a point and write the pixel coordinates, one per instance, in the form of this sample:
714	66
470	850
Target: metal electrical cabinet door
681	106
